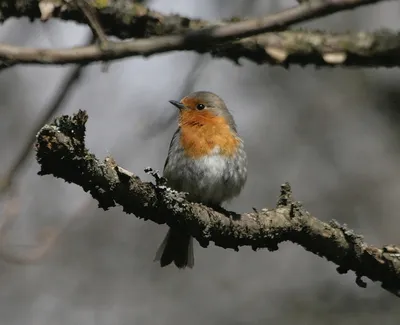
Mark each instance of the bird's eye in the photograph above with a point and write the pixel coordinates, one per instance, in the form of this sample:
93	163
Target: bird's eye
200	106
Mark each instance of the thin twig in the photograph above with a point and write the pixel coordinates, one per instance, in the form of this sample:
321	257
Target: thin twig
96	28
94	22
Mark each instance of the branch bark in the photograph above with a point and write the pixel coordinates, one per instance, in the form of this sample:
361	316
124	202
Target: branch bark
127	19
124	19
380	49
61	152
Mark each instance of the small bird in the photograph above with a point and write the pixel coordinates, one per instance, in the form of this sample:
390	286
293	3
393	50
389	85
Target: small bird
206	159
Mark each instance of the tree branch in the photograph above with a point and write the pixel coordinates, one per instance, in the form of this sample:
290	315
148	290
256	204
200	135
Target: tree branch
127	19
124	19
61	152
290	47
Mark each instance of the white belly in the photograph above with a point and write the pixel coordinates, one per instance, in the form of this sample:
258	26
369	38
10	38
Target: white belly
210	179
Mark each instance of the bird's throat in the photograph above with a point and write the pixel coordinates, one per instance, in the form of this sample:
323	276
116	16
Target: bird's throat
204	134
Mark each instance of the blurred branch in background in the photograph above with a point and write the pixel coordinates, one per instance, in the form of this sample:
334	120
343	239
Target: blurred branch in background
54	106
221	39
61	152
47	237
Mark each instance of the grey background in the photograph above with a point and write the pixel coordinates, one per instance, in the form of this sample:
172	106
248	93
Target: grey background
332	133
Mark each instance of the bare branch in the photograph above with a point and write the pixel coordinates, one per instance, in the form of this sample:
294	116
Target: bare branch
61	152
284	48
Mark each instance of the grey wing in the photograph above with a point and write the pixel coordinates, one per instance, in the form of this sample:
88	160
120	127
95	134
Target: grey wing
174	138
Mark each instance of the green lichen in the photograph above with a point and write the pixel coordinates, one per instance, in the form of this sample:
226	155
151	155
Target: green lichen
101	4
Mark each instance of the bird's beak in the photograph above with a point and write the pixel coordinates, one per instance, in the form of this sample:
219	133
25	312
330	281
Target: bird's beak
177	104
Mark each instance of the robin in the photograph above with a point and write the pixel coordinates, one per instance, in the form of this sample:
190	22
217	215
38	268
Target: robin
206	159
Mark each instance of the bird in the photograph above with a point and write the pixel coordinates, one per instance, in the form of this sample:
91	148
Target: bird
207	160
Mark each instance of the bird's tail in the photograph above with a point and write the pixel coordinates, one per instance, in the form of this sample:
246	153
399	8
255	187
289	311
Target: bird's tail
176	247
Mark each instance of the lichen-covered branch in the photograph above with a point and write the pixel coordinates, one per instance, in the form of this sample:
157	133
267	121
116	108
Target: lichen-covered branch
61	152
123	18
302	47
127	18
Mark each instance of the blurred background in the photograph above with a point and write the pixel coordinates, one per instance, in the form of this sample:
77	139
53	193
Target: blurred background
332	133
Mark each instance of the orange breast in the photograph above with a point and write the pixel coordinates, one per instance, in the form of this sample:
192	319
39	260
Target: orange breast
202	131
